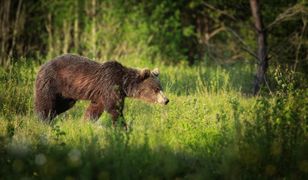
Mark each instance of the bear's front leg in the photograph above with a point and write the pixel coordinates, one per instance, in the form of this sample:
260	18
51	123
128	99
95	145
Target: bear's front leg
116	112
117	115
94	111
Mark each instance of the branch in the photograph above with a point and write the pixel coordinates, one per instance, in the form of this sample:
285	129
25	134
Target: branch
214	32
219	11
245	47
288	14
300	43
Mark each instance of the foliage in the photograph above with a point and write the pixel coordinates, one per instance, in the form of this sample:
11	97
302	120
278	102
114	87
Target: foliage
164	31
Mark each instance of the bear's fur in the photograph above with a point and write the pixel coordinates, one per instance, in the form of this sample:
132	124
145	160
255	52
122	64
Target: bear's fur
68	78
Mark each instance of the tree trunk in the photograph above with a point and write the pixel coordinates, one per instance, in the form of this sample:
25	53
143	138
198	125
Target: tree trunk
93	37
5	7
76	27
262	46
48	26
16	28
66	36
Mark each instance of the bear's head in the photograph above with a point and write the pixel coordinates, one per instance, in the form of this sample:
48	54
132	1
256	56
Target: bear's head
149	88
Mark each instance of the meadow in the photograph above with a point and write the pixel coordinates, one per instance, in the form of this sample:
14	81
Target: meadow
213	128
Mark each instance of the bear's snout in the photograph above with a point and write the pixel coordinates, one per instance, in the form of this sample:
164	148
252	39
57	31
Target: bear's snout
162	99
166	101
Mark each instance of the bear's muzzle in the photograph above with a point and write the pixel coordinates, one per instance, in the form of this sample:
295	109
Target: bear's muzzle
162	99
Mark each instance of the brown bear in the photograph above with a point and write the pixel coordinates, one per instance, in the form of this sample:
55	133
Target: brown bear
68	78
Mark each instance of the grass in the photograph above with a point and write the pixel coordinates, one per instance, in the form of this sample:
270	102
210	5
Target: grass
211	129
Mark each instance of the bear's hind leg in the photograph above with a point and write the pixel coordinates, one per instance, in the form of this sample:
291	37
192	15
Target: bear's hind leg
94	111
63	104
44	106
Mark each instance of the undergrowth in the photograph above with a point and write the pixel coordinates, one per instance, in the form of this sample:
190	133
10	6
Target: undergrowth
211	129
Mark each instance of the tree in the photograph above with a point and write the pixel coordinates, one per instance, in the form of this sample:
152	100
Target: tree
262	45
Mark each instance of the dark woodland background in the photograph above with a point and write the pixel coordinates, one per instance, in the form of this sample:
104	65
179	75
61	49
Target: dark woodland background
193	32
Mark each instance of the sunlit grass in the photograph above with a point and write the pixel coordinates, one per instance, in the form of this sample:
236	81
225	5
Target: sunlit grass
210	129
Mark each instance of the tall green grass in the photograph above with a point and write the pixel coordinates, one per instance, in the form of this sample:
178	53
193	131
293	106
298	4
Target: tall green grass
211	129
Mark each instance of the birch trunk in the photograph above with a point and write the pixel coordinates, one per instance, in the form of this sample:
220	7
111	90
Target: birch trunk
50	40
93	36
76	28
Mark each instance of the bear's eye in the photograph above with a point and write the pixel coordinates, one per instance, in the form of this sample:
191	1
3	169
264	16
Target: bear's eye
157	90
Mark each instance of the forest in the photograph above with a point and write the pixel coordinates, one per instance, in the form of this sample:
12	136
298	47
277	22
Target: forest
235	71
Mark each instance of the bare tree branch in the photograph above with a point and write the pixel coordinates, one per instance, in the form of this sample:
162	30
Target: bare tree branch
219	10
244	46
289	14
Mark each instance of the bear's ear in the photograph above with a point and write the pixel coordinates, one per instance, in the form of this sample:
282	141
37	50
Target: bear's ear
155	72
144	73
